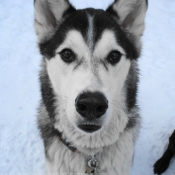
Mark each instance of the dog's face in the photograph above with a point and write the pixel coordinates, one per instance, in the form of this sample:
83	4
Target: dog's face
88	54
89	68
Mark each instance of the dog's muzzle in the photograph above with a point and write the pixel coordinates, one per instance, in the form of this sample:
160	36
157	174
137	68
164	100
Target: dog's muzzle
91	106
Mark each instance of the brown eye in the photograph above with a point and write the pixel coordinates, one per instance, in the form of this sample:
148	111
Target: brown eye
114	57
67	55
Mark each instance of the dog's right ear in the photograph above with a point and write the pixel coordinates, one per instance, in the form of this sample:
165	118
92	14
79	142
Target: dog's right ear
48	15
130	14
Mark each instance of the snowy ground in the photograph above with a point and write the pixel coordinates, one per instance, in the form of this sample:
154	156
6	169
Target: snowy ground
21	149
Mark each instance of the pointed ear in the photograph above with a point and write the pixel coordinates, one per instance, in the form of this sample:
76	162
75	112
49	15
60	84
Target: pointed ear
48	14
130	14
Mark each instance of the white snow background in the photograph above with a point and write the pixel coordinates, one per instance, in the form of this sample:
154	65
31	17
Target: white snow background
21	148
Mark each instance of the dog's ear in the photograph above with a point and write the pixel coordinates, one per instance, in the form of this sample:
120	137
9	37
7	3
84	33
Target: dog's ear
48	14
130	14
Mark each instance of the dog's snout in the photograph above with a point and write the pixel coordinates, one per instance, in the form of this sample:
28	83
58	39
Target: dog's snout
91	105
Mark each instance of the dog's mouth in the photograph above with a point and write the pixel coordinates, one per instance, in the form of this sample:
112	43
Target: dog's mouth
89	127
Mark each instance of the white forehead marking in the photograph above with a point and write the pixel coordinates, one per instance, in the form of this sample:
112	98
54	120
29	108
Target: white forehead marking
106	44
90	33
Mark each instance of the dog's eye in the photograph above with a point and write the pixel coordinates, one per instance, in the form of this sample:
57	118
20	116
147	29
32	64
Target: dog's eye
114	57
67	55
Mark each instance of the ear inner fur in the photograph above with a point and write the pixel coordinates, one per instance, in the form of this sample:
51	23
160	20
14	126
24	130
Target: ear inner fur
48	15
131	14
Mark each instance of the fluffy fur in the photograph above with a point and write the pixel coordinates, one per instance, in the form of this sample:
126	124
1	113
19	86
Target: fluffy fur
92	35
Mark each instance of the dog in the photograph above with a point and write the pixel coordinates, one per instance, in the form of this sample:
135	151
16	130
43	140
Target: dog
88	116
162	164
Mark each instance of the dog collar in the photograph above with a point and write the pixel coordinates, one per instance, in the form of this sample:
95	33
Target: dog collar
92	162
68	144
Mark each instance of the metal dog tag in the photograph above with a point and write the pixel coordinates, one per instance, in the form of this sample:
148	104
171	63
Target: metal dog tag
92	165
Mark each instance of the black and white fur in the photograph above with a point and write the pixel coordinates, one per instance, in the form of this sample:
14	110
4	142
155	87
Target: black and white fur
91	35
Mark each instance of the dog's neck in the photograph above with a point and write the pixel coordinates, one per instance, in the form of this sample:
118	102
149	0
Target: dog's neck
86	151
92	162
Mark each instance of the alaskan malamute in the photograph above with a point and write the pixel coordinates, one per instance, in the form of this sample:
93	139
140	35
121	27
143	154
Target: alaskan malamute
88	116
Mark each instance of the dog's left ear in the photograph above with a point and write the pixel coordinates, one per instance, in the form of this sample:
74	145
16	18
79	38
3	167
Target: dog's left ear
48	15
130	14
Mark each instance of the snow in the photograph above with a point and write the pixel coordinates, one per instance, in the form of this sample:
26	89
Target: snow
21	148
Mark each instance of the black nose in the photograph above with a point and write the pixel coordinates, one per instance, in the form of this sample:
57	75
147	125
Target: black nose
91	105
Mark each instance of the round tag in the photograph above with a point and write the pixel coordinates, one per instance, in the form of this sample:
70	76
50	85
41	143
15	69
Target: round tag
93	163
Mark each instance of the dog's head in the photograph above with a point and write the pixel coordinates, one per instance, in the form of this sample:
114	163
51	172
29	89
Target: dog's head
88	54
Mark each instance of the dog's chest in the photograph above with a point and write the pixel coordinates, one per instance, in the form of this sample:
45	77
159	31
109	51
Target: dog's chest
113	160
